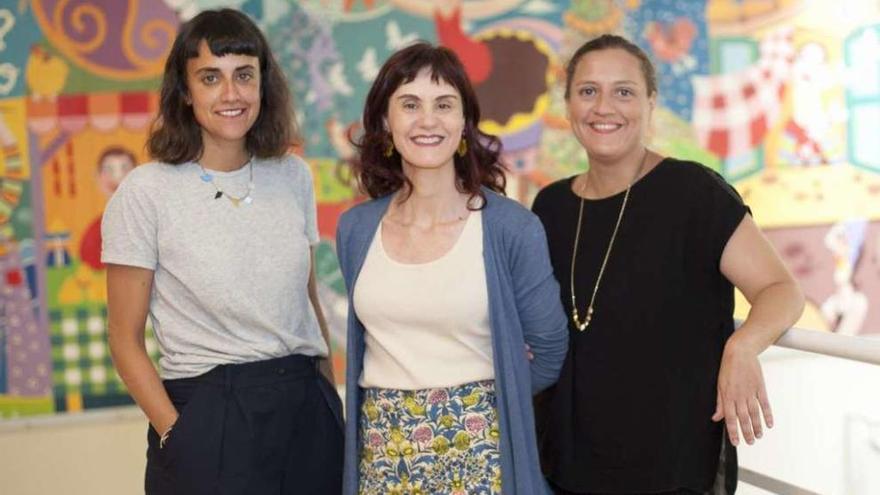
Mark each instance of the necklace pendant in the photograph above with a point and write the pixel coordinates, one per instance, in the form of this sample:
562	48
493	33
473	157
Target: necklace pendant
219	193
580	325
234	201
206	177
248	200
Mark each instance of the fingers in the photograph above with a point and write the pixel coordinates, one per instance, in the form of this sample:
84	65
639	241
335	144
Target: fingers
765	406
745	421
755	417
730	422
743	418
719	410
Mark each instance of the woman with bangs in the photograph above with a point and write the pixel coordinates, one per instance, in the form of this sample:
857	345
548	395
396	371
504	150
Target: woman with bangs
455	319
214	240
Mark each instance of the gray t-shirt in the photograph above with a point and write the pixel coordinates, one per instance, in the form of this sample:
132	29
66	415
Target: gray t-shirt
230	284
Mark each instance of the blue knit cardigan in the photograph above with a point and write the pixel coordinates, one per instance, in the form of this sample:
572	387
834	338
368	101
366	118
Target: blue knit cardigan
524	308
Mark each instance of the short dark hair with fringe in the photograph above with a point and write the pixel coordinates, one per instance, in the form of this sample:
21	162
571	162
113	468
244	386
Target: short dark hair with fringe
176	136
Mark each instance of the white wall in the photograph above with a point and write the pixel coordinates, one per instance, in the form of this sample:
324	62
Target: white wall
95	453
818	402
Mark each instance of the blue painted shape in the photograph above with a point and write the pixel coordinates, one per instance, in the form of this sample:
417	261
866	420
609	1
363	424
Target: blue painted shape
673	78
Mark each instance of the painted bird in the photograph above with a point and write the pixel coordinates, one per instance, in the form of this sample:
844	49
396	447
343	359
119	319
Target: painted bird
672	43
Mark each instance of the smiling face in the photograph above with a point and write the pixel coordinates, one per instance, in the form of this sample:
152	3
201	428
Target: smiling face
225	95
609	106
426	120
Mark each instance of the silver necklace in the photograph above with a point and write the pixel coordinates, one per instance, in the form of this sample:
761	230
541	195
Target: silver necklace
235	200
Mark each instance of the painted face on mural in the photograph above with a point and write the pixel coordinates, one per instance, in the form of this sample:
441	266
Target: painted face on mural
426	119
609	107
112	169
225	95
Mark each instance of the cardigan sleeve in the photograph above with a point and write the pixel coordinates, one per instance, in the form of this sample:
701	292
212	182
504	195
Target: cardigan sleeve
545	328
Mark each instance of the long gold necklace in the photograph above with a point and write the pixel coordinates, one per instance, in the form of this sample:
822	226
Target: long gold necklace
582	325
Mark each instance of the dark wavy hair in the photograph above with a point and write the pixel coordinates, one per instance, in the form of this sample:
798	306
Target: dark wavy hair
176	136
606	42
378	175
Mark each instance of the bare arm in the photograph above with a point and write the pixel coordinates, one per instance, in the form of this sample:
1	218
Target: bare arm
128	299
752	265
326	364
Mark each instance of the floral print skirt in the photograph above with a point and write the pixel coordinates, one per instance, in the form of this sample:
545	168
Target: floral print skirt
431	441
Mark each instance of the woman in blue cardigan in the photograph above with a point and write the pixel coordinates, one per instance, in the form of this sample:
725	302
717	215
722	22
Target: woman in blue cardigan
455	319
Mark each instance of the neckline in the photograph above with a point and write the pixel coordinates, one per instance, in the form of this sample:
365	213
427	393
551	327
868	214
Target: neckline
226	174
570	183
449	252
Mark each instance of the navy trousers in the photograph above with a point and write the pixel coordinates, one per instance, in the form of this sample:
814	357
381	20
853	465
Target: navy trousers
264	428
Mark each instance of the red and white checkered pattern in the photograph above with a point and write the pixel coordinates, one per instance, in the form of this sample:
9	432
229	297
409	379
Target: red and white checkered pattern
732	112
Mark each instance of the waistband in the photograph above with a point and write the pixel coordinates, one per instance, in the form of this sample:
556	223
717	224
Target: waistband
256	373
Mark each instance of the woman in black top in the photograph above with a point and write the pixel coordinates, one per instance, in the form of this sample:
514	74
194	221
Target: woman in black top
647	250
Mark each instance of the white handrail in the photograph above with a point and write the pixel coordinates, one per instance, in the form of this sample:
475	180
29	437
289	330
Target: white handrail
863	349
866	350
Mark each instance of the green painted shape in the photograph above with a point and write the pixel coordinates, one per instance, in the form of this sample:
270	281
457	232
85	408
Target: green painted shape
327	268
15	407
332	183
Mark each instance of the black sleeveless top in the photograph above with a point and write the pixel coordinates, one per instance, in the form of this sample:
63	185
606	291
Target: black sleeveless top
632	409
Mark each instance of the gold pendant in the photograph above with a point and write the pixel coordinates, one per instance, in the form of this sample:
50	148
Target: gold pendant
235	201
582	325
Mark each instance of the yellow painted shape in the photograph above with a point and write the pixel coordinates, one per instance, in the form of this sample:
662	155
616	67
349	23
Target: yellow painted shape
13	112
802	196
74	212
74	402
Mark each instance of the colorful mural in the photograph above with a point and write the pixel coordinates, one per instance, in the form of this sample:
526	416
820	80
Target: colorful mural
782	98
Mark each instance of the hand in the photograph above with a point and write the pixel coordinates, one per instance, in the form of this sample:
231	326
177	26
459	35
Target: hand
742	395
166	424
529	353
